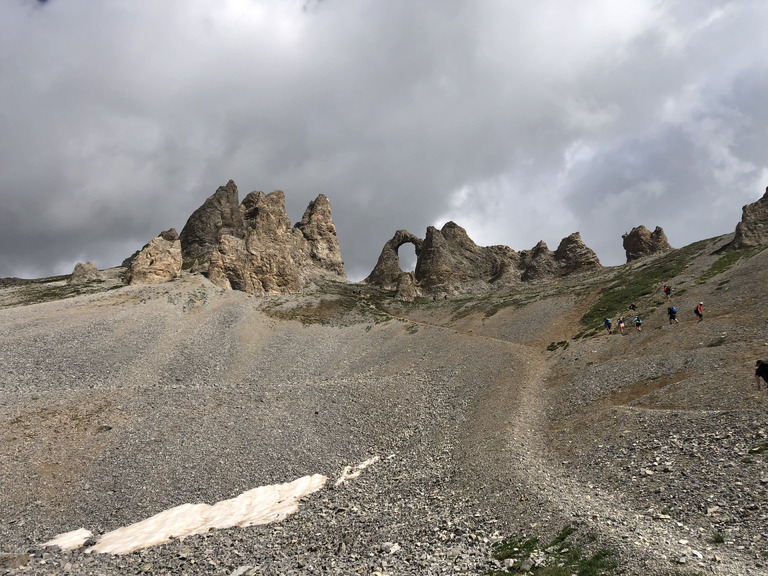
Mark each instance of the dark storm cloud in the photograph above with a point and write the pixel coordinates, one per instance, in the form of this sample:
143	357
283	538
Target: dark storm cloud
519	122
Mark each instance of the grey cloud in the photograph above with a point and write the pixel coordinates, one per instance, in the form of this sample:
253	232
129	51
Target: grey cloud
520	122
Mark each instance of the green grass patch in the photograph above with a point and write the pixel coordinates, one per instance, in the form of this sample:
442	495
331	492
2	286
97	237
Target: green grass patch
27	292
555	345
759	448
727	260
565	555
635	285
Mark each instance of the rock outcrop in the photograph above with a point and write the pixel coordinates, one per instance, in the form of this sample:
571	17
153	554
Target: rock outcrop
258	251
641	242
449	261
406	287
159	261
83	273
537	263
753	228
572	255
319	232
386	274
219	214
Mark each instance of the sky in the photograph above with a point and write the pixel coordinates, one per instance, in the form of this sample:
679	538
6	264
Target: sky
519	121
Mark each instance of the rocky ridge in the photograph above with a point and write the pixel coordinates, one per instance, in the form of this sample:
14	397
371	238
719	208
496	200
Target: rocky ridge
448	261
252	247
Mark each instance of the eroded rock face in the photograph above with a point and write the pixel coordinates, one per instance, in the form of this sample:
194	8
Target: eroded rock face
83	273
267	256
219	214
406	287
318	230
572	255
641	242
450	260
386	274
538	262
753	228
159	261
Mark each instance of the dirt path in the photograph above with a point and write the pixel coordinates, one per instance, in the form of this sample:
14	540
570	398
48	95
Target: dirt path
505	437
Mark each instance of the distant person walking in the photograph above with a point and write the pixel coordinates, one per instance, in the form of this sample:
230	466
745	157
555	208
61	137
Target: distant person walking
621	324
761	371
638	323
667	291
607	323
699	311
672	313
633	306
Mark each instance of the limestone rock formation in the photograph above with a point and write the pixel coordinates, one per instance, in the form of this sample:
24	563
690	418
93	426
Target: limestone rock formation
449	261
159	261
265	255
83	273
641	242
753	228
572	255
386	274
318	230
538	262
406	287
219	214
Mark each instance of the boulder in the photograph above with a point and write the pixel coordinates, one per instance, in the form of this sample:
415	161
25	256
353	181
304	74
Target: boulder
641	242
159	261
753	228
83	273
219	214
386	274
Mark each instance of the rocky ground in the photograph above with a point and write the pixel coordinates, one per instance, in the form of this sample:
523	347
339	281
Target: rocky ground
120	403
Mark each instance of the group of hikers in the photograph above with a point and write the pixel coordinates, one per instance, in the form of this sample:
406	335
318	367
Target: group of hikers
638	322
761	366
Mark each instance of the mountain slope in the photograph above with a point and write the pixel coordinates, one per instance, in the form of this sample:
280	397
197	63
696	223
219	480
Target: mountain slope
493	414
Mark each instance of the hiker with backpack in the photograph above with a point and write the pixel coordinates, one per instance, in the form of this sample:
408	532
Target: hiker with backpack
638	323
672	313
699	312
667	291
607	323
621	325
761	371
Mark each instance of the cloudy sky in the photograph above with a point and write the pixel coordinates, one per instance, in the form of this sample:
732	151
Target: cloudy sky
520	121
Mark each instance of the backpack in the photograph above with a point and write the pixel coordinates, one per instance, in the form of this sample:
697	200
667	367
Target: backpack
673	310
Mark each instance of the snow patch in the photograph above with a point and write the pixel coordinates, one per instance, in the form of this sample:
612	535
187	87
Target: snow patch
262	505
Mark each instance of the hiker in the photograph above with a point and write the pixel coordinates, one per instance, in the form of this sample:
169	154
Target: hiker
699	312
633	306
761	371
607	323
672	313
621	324
667	291
638	323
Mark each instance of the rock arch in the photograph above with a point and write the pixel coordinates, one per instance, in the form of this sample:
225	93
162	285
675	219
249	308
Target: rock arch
387	271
